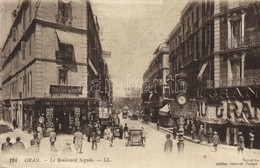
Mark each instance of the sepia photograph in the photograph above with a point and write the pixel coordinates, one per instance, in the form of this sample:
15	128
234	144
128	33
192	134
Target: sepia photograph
130	83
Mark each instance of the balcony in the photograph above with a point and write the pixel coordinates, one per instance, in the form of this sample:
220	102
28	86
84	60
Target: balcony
254	38
252	80
188	32
236	43
196	25
237	3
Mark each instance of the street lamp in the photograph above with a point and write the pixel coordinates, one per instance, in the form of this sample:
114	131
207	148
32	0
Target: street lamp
181	85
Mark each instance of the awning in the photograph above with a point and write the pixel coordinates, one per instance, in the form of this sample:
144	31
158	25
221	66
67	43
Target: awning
164	111
92	67
66	37
202	69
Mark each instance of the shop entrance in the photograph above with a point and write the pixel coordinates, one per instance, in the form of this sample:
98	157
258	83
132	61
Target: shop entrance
63	116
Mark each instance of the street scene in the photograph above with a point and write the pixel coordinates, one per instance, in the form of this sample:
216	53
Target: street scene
130	83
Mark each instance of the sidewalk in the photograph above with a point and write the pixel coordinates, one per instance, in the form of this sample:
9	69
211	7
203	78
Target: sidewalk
24	135
221	146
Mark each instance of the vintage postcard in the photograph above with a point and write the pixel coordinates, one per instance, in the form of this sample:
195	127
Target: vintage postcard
130	83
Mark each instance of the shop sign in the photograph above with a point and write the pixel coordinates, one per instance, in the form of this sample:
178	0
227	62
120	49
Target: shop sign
63	103
71	120
49	117
58	89
77	116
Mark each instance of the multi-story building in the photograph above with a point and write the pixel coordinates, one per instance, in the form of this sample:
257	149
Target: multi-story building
191	46
47	63
155	87
233	93
220	55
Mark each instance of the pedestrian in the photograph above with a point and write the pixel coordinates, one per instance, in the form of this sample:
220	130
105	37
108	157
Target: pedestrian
209	134
158	125
105	134
168	144
35	144
94	140
14	123
77	140
53	138
201	133
251	138
18	146
241	143
143	136
174	131
215	140
90	131
125	130
6	146
39	131
121	130
98	134
193	131
111	139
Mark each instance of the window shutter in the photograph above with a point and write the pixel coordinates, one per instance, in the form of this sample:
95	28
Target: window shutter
23	47
14	34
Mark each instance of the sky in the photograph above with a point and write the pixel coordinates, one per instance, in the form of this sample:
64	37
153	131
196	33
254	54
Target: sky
130	29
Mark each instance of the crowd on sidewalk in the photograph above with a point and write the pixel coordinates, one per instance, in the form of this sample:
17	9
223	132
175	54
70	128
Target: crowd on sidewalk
93	132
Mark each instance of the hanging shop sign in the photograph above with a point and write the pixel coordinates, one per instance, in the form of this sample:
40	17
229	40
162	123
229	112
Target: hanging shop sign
49	117
57	89
77	116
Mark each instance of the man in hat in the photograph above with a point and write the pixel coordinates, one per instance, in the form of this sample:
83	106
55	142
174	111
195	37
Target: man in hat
6	147
18	146
251	138
215	140
35	144
53	138
241	143
209	134
168	144
77	140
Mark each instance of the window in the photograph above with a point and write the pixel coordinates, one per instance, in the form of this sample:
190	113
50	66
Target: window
28	83
14	34
66	52
206	37
63	76
24	20
30	46
64	12
23	48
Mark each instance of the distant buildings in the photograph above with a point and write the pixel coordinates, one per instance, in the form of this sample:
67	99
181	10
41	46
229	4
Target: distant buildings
133	92
155	87
49	64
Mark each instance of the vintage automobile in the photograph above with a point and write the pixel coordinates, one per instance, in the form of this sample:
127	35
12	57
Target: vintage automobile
124	114
136	137
116	132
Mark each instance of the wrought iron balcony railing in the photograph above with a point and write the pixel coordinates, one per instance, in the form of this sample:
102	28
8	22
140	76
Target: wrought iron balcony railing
235	43
237	82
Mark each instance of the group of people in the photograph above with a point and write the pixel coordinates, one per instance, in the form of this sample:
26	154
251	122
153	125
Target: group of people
94	133
19	147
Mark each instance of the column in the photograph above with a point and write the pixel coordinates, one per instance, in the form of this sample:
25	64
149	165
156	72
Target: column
229	33
243	27
228	136
243	65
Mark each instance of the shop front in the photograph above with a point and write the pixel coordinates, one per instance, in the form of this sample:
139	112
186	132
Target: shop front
164	118
62	114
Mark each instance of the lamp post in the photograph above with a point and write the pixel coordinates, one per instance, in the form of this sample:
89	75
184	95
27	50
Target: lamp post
180	85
